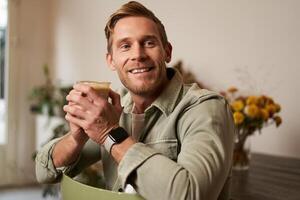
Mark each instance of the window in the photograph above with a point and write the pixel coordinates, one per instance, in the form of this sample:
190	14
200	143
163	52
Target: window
3	25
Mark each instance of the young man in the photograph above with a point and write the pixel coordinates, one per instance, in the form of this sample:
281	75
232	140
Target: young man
165	139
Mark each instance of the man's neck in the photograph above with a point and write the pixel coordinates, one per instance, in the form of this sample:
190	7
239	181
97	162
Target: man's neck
142	102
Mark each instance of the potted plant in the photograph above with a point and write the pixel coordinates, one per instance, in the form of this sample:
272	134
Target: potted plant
47	102
43	97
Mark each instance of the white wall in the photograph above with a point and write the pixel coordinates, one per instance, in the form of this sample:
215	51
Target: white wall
250	44
79	41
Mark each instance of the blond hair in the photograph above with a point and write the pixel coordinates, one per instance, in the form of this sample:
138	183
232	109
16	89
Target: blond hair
132	8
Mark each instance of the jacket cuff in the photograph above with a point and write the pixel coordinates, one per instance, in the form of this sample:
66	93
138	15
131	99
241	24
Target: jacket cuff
46	160
134	158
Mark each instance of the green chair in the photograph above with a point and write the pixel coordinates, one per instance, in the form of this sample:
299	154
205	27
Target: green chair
73	190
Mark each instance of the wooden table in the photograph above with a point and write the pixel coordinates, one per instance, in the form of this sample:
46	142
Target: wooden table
268	178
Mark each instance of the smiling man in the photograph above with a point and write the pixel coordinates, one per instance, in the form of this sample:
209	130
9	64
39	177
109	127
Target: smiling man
138	54
160	137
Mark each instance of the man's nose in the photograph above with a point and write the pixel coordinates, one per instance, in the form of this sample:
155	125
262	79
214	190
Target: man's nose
138	53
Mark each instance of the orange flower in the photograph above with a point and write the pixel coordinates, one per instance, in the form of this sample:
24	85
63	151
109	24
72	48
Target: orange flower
271	109
278	120
277	107
232	89
270	100
265	114
261	101
238	118
251	100
252	111
237	105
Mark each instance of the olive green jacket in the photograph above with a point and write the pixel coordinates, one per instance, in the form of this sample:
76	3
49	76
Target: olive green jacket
184	151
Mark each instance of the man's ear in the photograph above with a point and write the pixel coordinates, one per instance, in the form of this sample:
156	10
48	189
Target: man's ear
168	51
110	62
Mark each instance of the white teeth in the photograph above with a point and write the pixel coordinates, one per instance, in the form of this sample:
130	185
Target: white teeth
136	71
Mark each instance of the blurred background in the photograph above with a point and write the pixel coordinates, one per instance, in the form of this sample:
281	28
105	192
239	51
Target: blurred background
251	45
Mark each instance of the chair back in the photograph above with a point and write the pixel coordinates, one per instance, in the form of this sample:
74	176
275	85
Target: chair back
73	190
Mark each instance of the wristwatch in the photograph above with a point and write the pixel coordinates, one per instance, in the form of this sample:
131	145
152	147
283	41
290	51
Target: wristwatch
115	136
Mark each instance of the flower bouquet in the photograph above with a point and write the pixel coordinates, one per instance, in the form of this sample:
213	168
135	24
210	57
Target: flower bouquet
250	114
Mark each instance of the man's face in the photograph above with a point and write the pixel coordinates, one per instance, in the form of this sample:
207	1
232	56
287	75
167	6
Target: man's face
139	57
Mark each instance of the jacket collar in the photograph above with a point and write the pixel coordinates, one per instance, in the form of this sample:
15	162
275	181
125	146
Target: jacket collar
168	98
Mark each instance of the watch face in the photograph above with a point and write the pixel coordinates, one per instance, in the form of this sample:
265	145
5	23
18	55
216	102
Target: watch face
118	135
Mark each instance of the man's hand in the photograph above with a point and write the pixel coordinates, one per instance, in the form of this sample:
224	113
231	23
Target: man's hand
66	151
92	112
76	132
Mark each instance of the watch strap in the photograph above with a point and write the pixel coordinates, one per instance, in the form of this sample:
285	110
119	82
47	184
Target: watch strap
108	143
115	136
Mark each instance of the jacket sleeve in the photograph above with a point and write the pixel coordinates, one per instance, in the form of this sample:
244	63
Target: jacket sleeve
46	172
206	131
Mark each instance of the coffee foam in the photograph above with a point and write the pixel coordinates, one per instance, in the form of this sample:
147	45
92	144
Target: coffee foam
101	87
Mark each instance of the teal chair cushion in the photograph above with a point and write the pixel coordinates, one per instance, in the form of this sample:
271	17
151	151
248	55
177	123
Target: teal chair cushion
73	190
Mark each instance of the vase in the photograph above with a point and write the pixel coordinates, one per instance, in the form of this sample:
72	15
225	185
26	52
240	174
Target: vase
242	154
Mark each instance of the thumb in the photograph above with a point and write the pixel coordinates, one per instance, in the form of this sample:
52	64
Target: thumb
115	99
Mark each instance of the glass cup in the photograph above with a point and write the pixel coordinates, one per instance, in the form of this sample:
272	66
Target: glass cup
102	88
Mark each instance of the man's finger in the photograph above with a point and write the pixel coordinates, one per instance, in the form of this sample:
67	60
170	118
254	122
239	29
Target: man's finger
86	89
75	92
74	120
115	99
77	98
75	110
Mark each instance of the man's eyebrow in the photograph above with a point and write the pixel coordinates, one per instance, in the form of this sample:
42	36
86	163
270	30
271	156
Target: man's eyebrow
119	41
152	37
145	37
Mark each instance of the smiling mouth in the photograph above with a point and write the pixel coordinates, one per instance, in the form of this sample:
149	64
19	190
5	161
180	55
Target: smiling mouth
141	70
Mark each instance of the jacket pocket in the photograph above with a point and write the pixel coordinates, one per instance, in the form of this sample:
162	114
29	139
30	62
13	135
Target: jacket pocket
167	147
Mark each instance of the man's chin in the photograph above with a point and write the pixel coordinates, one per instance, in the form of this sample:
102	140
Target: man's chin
142	90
